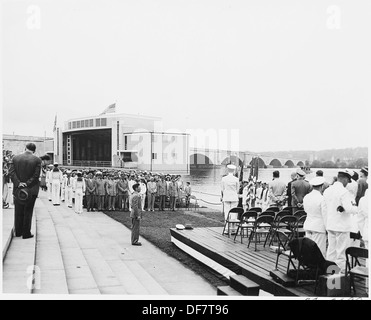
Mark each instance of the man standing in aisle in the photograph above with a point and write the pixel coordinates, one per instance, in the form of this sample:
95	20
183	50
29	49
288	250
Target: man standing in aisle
230	187
24	172
340	206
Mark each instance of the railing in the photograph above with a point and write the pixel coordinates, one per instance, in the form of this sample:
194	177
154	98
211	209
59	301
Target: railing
89	163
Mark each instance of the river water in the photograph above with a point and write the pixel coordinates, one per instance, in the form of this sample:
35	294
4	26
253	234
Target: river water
205	183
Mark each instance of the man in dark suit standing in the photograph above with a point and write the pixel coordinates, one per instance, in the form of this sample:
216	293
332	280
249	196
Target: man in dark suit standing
24	172
288	193
299	189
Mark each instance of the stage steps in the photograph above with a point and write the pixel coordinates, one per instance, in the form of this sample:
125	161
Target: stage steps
239	285
227	291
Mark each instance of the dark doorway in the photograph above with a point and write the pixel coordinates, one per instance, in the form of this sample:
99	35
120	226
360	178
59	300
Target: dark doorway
92	145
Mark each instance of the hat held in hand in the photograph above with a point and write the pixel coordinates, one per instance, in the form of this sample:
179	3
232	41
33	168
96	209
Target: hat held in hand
22	195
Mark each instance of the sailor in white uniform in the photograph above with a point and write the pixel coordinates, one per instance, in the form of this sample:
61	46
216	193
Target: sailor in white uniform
79	187
363	217
48	180
230	187
56	177
315	206
340	206
68	190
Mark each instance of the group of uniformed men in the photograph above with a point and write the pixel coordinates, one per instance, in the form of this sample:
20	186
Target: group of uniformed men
112	189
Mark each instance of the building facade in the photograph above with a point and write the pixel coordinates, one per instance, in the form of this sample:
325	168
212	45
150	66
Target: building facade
17	143
121	141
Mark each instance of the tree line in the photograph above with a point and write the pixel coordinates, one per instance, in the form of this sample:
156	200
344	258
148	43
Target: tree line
353	164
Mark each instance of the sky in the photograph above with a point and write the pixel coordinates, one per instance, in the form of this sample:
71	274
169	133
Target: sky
281	75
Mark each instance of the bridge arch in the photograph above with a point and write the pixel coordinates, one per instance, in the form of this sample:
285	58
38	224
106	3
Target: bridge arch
232	159
300	164
290	164
276	163
199	158
261	163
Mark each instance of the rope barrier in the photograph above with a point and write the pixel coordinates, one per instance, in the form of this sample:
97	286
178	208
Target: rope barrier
212	203
209	194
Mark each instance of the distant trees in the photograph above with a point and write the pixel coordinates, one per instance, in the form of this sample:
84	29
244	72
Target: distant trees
355	164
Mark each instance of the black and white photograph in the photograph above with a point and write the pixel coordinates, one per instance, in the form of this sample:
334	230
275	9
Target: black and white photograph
160	150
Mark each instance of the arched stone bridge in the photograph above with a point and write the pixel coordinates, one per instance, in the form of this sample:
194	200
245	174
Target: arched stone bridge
222	157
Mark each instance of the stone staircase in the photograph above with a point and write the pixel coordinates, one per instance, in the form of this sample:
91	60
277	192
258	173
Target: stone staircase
86	254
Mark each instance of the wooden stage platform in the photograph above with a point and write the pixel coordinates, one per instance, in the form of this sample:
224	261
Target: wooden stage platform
228	257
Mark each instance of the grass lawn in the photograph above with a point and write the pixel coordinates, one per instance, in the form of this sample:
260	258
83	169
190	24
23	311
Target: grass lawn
155	228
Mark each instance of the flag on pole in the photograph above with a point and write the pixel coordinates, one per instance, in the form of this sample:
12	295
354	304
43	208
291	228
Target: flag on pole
55	123
241	171
110	109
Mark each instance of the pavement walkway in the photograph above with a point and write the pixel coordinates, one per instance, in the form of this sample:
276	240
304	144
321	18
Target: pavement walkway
91	253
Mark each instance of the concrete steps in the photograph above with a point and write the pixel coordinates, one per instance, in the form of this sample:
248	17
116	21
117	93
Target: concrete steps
19	265
111	253
106	269
118	258
48	255
79	277
105	278
8	229
91	253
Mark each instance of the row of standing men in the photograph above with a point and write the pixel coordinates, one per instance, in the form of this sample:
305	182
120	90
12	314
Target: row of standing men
110	192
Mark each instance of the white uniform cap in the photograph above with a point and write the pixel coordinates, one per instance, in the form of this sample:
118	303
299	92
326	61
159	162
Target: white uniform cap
231	167
317	181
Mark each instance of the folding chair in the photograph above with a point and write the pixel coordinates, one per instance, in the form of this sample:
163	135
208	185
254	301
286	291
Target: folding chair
262	225
299	228
246	223
256	209
234	216
300	213
274	209
283	227
277	217
268	213
289	209
353	266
